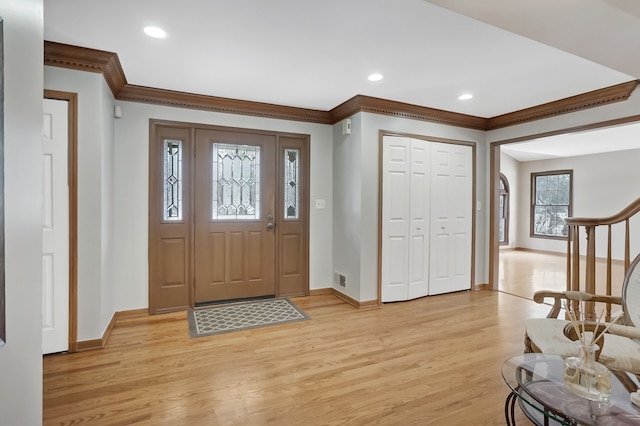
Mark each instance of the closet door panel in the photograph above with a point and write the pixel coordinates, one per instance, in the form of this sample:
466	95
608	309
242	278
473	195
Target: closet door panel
462	214
420	206
451	212
395	218
396	269
439	264
461	266
417	277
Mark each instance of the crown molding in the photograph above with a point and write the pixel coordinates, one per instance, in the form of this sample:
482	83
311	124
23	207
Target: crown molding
212	103
596	98
361	103
108	64
84	59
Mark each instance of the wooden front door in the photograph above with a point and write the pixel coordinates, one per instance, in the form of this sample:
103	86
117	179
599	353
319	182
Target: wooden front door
228	214
234	215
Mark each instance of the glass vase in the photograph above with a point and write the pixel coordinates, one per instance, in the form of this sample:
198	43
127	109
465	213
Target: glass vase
586	377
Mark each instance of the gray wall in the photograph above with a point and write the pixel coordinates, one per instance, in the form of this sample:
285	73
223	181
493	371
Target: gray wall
347	206
117	173
113	194
356	180
603	185
96	192
132	183
21	358
344	173
509	167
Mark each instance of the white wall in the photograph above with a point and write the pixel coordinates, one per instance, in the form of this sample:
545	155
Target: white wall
113	194
509	167
108	205
344	172
21	357
96	191
356	178
347	206
603	185
132	183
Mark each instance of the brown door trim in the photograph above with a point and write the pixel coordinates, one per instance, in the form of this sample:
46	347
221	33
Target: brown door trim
283	140
72	149
292	234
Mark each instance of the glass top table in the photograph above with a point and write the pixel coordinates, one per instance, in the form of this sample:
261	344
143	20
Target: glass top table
537	384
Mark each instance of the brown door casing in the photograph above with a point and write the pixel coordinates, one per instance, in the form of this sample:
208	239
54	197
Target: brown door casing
198	259
292	233
170	242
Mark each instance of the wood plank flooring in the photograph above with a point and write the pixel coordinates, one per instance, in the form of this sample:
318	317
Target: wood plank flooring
523	272
431	361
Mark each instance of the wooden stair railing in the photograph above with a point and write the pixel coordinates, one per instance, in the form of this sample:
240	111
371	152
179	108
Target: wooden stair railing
573	254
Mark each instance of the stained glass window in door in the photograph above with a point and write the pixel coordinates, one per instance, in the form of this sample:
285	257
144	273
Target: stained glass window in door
172	180
291	183
236	182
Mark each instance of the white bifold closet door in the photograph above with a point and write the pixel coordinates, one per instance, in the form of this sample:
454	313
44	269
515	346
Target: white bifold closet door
422	218
451	212
405	218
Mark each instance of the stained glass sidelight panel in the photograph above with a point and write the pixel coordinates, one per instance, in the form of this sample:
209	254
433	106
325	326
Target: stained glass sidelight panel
236	182
172	179
291	181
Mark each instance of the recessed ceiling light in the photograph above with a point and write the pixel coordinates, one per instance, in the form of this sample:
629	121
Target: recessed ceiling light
375	77
155	32
465	97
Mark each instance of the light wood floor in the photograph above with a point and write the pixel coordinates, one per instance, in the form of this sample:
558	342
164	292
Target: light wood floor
522	273
431	361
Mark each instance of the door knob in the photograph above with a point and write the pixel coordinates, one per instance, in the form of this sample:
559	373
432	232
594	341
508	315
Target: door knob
270	225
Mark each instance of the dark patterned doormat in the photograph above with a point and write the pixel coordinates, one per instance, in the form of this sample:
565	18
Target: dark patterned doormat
220	319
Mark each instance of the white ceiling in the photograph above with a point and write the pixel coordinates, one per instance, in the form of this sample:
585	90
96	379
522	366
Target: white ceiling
618	138
317	54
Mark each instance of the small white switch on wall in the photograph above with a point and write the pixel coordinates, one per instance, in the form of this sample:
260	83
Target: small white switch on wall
478	205
319	204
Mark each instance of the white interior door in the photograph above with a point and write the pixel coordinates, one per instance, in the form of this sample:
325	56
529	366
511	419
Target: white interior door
405	218
451	211
55	227
419	219
396	167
